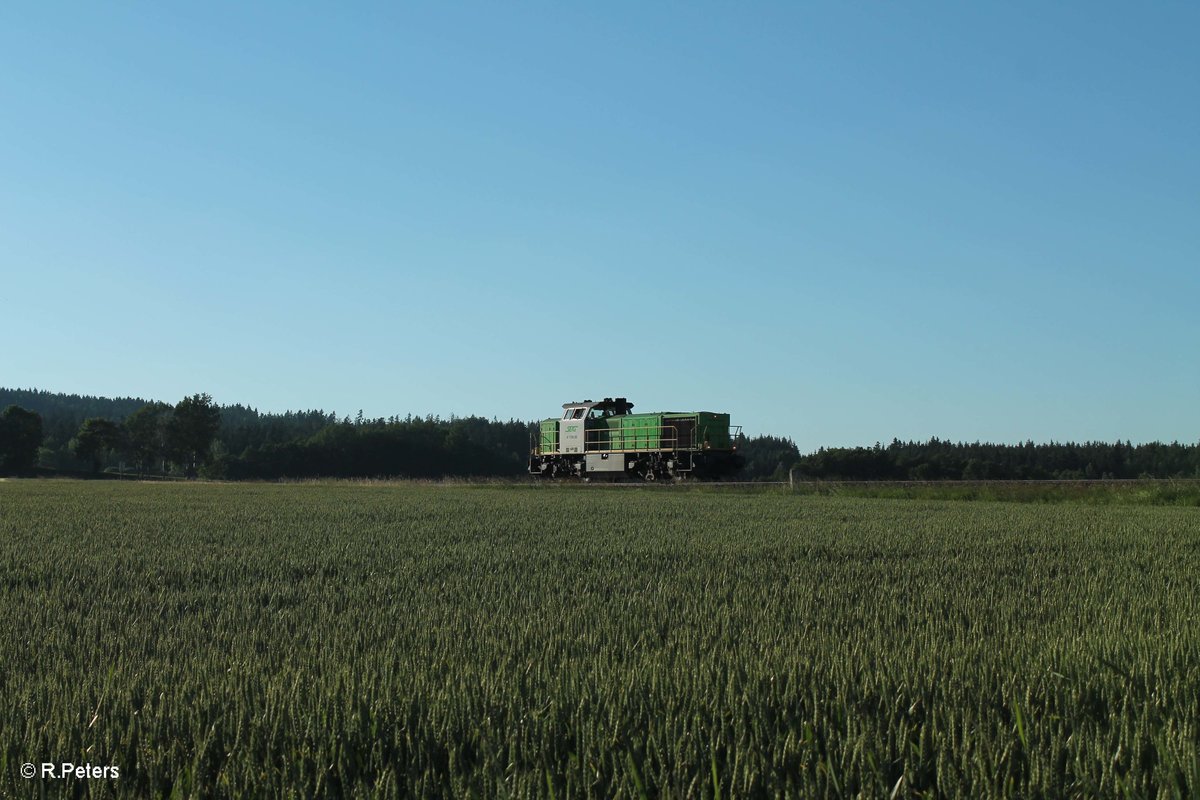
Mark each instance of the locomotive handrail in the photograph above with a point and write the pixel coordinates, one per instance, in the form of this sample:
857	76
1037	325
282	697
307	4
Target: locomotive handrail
617	440
604	438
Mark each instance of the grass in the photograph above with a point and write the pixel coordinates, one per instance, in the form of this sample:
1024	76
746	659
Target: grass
1139	492
317	640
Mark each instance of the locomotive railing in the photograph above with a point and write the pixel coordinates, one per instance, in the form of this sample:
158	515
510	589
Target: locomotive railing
640	439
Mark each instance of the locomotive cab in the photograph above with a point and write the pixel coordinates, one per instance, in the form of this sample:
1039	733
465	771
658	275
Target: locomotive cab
579	418
572	427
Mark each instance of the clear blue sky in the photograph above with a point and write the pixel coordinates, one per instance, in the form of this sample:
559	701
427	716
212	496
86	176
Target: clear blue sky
838	222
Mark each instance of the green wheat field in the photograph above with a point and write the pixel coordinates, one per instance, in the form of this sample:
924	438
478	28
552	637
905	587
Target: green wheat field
376	640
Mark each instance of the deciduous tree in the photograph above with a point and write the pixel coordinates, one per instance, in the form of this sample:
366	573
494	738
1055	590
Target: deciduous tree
193	427
146	435
20	438
96	437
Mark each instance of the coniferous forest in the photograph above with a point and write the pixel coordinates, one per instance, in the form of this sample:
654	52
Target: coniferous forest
43	432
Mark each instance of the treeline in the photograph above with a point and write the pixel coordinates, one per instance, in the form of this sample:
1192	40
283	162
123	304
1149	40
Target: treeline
943	460
72	433
61	416
411	447
92	434
767	458
155	437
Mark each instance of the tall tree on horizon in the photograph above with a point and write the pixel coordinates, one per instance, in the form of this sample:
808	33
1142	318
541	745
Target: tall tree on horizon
192	430
20	438
146	440
96	437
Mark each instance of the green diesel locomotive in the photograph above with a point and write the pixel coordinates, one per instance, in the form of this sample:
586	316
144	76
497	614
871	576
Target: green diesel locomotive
606	440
